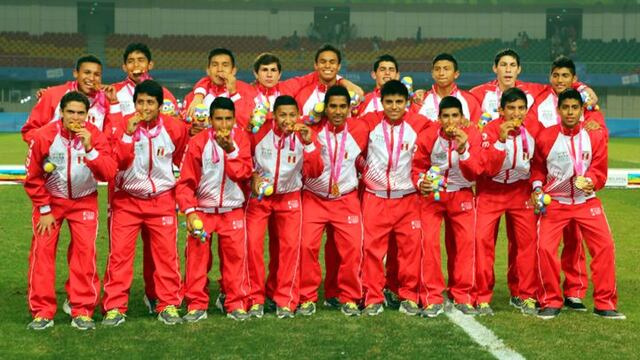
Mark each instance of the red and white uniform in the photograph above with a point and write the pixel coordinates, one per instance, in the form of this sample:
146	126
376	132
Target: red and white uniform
372	103
489	94
331	199
542	115
125	90
561	155
242	98
209	185
504	189
431	104
284	159
144	197
457	205
390	191
68	192
311	94
101	113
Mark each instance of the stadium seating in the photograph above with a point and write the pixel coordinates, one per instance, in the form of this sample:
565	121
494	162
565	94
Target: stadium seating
20	49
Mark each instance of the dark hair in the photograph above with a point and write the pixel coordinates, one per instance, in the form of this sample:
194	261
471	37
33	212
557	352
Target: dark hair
266	59
570	94
394	87
133	47
328	47
563	62
151	88
511	95
74	96
87	59
506	52
448	102
284	100
336	90
385	57
222	51
447	57
221	102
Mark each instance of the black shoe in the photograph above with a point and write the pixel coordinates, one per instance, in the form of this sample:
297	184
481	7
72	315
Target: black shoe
549	313
609	314
575	304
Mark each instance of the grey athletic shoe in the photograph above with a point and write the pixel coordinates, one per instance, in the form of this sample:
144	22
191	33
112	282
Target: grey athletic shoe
39	323
150	304
516	302
609	314
466	309
220	302
239	315
484	309
549	313
409	307
66	307
113	318
575	304
529	307
284	313
373	310
257	311
193	316
332	303
391	300
350	309
308	308
432	310
83	323
170	316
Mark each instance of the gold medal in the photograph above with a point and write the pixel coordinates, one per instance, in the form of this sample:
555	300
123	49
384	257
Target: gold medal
581	182
335	190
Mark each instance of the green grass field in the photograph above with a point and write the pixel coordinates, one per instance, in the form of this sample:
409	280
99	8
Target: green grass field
328	334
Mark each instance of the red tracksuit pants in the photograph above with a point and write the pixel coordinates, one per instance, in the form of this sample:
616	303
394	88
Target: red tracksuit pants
512	200
592	222
83	285
232	240
129	215
459	208
382	217
343	214
283	212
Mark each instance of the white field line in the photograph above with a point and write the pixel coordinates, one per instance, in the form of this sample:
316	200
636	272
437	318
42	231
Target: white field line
483	336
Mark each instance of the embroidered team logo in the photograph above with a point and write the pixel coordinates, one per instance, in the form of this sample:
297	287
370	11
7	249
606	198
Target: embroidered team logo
88	215
160	151
167	220
237	224
91	119
586	155
57	158
563	156
80	159
266	153
416	224
293	204
291	158
595	211
353	219
405	146
466	205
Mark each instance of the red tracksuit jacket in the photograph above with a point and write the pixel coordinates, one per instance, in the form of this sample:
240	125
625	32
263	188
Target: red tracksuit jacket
209	177
76	172
125	90
371	103
430	105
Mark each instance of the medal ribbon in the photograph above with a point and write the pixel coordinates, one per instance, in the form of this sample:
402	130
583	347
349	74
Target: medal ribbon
335	162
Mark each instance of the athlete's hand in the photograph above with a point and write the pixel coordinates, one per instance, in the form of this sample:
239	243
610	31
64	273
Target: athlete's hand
592	125
588	188
256	181
110	93
418	96
426	187
593	98
305	133
46	224
229	81
197	99
505	129
461	138
40	92
85	137
223	138
133	122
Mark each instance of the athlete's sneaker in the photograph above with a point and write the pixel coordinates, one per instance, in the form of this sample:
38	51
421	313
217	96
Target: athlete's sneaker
170	316
239	315
516	302
220	302
150	304
40	323
66	307
373	310
409	307
82	322
466	309
609	314
350	309
284	313
195	315
484	309
575	304
391	300
548	313
257	311
432	310
307	308
529	307
332	303
113	317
